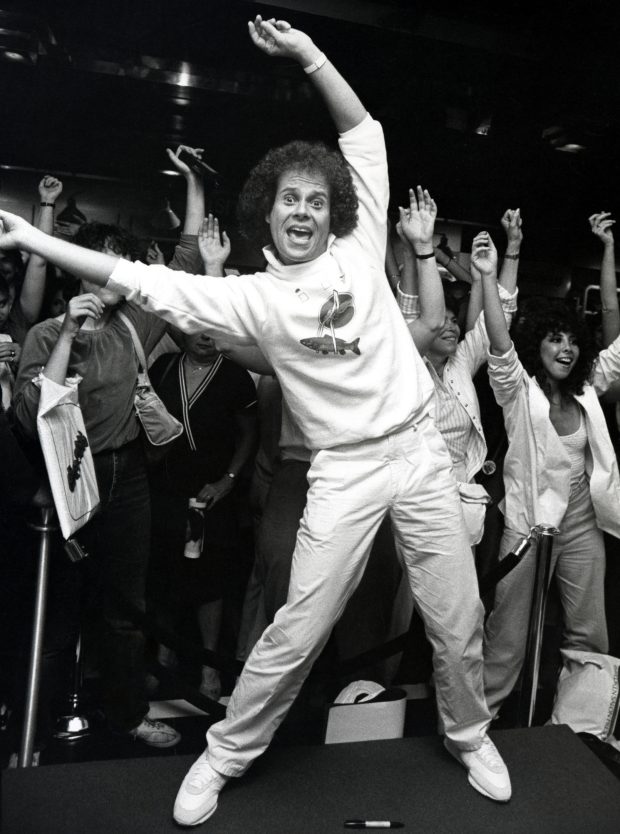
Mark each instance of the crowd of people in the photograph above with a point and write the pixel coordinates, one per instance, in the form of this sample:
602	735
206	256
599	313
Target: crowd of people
329	404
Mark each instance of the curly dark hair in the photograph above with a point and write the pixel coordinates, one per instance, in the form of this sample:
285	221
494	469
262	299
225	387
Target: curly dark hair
99	236
534	321
452	304
14	257
259	191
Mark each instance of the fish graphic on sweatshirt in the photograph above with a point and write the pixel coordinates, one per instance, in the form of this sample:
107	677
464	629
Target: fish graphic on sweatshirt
337	311
329	344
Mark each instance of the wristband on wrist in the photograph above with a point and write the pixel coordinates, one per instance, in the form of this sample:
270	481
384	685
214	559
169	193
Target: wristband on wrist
51	205
425	257
514	257
316	65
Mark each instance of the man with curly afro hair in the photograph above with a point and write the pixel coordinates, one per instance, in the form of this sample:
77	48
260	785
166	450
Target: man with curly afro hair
325	318
259	192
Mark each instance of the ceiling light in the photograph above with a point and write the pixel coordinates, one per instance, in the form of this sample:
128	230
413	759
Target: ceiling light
563	138
484	128
571	147
14	56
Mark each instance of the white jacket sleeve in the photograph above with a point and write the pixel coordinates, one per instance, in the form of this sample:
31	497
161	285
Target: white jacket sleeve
506	374
474	347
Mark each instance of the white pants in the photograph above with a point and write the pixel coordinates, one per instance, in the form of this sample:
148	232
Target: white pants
578	559
409	475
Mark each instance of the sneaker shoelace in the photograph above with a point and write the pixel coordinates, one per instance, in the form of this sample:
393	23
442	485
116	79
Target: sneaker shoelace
201	774
155	725
489	755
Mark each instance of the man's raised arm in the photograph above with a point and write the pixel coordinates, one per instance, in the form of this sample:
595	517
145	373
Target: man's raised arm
277	37
17	233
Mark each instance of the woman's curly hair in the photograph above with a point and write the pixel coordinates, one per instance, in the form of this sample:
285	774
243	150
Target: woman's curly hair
99	236
534	322
259	192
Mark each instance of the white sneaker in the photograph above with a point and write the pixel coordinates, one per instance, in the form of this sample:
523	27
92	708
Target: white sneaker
487	772
197	797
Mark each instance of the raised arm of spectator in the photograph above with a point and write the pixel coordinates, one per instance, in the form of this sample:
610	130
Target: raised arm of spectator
602	226
195	194
407	286
44	349
154	255
214	247
484	259
277	37
418	225
474	305
392	267
33	290
409	275
87	305
446	258
511	223
215	251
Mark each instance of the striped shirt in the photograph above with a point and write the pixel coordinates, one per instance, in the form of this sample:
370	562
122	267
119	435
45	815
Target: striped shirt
454	423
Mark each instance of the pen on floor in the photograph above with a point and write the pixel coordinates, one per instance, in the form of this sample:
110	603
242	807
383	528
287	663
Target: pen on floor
373	824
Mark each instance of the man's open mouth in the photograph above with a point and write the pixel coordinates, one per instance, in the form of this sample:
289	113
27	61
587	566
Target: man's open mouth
299	233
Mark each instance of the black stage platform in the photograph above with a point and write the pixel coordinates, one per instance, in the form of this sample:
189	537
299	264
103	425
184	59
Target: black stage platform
559	786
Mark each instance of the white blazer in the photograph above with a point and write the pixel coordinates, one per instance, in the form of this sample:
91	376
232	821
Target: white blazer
536	467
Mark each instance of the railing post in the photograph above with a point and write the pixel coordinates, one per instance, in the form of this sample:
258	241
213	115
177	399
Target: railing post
531	664
74	724
45	528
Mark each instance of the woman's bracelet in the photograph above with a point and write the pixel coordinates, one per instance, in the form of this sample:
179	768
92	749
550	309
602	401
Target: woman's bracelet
316	65
424	257
514	257
51	205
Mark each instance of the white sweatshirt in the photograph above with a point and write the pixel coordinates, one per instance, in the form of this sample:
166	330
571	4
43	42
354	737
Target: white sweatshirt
359	379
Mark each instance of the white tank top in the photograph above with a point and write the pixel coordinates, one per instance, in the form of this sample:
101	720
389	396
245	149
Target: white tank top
575	446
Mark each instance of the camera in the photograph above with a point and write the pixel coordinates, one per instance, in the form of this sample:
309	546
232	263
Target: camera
74	550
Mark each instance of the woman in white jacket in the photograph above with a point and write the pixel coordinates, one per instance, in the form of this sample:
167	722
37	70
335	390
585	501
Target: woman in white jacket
560	469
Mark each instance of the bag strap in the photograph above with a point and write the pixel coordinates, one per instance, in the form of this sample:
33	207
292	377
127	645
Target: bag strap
136	341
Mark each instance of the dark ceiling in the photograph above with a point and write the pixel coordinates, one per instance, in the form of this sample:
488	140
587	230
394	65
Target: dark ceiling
98	94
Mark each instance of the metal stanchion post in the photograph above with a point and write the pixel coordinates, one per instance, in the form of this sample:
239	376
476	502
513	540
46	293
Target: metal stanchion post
45	528
74	724
531	664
